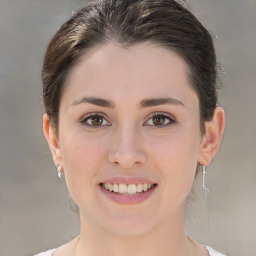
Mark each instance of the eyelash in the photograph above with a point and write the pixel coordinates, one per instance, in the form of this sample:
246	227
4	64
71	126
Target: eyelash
87	117
170	119
84	120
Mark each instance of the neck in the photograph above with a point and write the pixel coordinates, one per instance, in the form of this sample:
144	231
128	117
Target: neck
168	238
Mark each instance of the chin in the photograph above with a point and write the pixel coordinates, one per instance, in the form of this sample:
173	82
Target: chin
128	225
128	230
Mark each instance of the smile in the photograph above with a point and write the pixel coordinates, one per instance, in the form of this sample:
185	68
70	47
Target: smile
125	189
131	193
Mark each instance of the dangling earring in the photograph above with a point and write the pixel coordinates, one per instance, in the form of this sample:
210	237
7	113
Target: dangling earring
59	171
206	190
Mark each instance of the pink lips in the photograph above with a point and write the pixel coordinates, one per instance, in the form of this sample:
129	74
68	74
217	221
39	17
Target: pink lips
125	198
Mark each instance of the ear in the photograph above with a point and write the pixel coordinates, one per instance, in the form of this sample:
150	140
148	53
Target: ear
211	140
52	139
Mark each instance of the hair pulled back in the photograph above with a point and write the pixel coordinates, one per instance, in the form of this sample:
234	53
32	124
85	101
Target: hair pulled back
130	22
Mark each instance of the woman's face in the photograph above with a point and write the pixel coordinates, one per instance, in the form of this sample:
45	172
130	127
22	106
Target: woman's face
129	116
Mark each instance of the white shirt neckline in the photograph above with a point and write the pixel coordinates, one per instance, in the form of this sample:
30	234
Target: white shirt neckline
210	250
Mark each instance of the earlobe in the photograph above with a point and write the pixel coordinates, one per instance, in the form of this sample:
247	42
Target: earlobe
52	139
211	140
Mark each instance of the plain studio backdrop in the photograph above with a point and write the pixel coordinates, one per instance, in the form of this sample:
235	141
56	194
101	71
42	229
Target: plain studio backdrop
35	212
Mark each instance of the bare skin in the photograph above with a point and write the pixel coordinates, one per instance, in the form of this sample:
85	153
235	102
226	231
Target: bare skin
126	133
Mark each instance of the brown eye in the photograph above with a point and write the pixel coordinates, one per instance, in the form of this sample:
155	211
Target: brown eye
160	120
95	120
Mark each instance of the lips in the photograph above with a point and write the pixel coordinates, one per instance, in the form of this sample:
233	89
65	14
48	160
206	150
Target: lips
127	190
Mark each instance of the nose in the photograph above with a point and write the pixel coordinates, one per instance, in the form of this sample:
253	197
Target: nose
127	148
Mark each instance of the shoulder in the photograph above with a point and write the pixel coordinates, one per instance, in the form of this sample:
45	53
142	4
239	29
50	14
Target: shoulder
212	252
63	250
48	253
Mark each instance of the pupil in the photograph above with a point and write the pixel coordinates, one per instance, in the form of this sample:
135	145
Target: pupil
158	120
97	120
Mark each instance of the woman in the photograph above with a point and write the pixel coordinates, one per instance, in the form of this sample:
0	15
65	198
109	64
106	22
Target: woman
130	118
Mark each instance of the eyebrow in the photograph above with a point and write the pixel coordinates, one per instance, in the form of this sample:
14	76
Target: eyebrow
143	104
160	101
95	101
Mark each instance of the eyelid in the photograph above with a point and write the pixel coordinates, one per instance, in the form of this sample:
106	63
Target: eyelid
170	117
92	114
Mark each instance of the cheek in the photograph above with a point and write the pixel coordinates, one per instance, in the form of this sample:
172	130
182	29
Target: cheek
176	159
82	157
179	148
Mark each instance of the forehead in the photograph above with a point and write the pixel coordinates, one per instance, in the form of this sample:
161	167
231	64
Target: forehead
142	70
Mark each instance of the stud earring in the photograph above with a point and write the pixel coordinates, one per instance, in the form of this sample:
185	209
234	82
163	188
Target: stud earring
206	190
59	171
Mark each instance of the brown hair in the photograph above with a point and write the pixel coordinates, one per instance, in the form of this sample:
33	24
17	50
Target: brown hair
126	22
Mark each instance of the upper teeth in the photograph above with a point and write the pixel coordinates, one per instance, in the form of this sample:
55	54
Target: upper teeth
127	189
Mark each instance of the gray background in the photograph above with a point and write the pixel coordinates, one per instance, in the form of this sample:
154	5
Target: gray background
35	210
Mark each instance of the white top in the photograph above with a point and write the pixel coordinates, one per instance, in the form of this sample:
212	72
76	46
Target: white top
210	250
